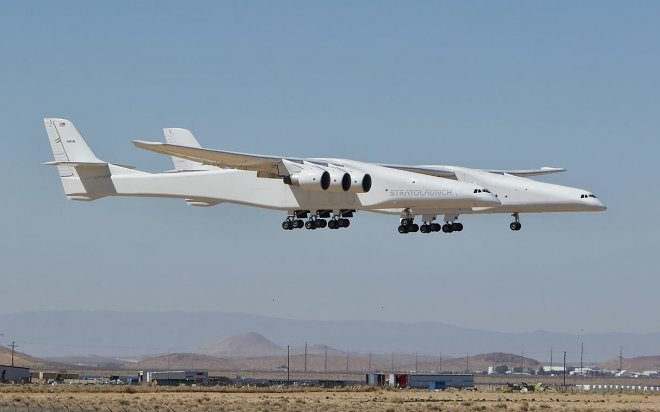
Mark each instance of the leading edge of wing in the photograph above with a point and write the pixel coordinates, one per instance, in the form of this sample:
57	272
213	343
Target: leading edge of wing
426	170
528	172
234	160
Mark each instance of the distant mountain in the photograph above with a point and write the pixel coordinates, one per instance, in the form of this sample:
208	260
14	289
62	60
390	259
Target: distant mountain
637	364
23	360
122	334
246	345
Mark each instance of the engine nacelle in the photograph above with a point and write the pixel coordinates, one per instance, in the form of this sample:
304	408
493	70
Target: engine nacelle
360	182
309	179
339	181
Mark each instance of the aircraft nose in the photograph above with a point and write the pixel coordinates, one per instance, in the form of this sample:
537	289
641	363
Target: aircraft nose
487	200
600	206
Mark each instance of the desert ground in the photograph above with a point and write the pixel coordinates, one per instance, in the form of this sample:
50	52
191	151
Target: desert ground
132	398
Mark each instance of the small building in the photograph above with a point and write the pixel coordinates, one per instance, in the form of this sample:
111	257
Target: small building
174	378
421	381
47	377
14	374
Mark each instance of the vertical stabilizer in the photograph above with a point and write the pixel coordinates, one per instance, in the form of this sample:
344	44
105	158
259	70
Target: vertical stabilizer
183	137
84	176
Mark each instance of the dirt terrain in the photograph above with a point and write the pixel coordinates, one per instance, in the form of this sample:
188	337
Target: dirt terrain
130	398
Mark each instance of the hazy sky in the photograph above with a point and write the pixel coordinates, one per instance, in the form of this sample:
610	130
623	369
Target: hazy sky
482	84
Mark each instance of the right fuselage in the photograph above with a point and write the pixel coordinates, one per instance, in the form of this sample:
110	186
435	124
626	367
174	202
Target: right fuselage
523	195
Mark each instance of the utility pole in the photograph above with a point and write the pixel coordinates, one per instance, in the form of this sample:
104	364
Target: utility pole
392	368
467	362
13	346
440	363
325	362
522	362
347	361
581	353
305	356
493	362
169	352
416	354
288	369
551	359
369	370
564	370
620	358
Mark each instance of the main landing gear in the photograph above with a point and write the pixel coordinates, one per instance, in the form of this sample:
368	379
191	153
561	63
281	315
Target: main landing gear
292	223
408	226
515	226
338	222
317	221
452	227
428	227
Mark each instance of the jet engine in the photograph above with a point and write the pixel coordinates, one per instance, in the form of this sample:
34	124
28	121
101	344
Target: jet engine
339	181
360	182
310	179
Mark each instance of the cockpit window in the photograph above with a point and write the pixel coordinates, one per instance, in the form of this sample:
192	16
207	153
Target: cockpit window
587	196
481	191
594	196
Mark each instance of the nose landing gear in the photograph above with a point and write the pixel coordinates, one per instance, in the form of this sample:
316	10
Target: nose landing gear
515	226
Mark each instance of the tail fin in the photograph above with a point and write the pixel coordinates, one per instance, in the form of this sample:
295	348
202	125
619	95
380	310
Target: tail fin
68	146
84	176
183	137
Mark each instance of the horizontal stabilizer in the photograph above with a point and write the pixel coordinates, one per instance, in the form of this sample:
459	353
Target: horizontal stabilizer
85	164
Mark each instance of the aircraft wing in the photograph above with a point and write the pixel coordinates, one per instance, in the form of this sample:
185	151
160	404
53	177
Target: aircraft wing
425	170
528	172
234	160
447	172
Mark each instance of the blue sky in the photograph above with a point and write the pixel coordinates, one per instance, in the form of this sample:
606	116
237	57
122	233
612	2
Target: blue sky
483	84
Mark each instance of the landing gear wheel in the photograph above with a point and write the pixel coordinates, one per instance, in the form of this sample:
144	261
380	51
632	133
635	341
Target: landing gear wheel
447	228
286	225
457	227
403	229
332	224
414	227
299	224
321	223
344	223
424	228
515	226
435	227
310	225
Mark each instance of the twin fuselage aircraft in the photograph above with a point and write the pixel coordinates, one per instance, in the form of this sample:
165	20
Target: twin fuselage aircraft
325	192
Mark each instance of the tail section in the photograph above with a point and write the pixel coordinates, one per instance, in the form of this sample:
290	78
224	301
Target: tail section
84	176
183	137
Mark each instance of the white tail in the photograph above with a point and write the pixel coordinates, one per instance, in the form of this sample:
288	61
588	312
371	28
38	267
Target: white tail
183	137
84	176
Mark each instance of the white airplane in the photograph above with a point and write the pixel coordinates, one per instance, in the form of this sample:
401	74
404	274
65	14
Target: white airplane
314	189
